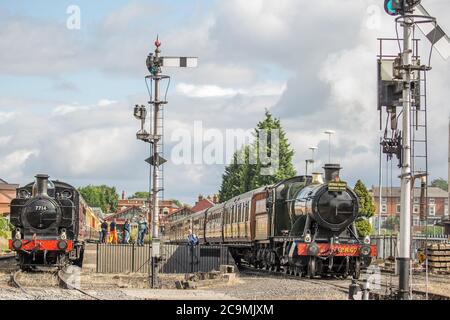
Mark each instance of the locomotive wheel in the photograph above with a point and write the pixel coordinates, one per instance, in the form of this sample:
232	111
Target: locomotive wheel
312	267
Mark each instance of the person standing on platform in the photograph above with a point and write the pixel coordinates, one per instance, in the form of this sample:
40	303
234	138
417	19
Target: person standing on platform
142	230
104	231
113	232
126	231
193	242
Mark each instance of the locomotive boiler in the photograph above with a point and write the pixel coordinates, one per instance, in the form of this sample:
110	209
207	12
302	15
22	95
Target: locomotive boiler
303	225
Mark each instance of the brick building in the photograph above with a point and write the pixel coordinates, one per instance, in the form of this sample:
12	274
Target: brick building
7	193
202	203
437	199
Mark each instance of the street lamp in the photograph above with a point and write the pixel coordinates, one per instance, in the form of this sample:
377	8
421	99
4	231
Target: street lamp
312	156
306	168
329	133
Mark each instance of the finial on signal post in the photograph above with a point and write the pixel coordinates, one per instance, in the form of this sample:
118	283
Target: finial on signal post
157	42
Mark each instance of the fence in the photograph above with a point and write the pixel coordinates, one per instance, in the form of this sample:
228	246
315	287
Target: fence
130	258
123	258
387	245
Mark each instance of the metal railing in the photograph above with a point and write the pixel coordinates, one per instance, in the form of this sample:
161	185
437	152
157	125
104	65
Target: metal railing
130	258
387	244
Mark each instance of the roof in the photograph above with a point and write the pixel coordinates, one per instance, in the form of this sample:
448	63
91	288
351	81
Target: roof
120	212
433	192
202	205
3	181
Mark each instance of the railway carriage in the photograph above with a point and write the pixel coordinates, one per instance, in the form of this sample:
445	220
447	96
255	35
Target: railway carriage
52	223
300	225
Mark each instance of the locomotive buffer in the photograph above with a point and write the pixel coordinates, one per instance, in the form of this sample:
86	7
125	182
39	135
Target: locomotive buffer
154	64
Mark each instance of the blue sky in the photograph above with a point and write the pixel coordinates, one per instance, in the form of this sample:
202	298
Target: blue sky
66	96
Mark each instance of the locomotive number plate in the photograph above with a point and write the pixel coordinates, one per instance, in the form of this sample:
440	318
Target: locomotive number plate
337	186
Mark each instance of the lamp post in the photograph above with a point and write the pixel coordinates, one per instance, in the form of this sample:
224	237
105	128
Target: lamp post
312	156
329	133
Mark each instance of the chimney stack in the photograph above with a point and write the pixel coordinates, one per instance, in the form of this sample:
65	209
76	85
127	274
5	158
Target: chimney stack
41	184
331	171
123	195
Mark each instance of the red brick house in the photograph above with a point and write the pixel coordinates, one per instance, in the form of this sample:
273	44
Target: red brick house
204	203
437	199
7	193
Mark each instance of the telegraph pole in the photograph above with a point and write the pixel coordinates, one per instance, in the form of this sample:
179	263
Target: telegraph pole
405	197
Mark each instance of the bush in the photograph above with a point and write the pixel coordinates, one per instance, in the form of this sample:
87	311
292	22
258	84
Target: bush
5	228
363	227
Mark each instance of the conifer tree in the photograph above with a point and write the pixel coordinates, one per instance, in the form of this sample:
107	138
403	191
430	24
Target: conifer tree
243	174
366	209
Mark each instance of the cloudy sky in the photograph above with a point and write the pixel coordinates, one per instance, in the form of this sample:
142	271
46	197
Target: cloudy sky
66	95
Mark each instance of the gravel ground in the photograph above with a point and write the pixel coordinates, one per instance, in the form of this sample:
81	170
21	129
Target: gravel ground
251	287
247	286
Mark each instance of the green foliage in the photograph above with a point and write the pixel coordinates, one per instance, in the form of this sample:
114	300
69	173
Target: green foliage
363	227
177	203
100	196
243	175
392	223
366	205
434	230
5	228
440	183
140	195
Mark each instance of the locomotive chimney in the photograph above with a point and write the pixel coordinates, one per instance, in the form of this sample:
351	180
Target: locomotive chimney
331	171
41	184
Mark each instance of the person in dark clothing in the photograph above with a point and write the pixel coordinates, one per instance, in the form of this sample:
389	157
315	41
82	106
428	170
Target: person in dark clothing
104	231
193	242
126	231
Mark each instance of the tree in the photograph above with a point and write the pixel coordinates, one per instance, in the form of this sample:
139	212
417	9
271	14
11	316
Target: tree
366	205
285	168
363	227
100	196
366	209
391	223
243	174
231	180
440	183
140	195
5	228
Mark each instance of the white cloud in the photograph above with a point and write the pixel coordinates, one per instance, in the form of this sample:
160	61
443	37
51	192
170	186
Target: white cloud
12	164
6	116
209	91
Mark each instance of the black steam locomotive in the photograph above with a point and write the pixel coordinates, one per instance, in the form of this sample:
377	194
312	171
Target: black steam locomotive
51	223
301	226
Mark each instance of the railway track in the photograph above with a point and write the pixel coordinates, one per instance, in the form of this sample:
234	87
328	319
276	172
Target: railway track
337	284
60	277
7	262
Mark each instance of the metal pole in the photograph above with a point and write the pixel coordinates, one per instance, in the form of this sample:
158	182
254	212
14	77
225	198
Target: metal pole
306	167
380	183
329	148
155	190
405	198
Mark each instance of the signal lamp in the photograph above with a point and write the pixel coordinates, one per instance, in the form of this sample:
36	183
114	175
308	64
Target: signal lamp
393	7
